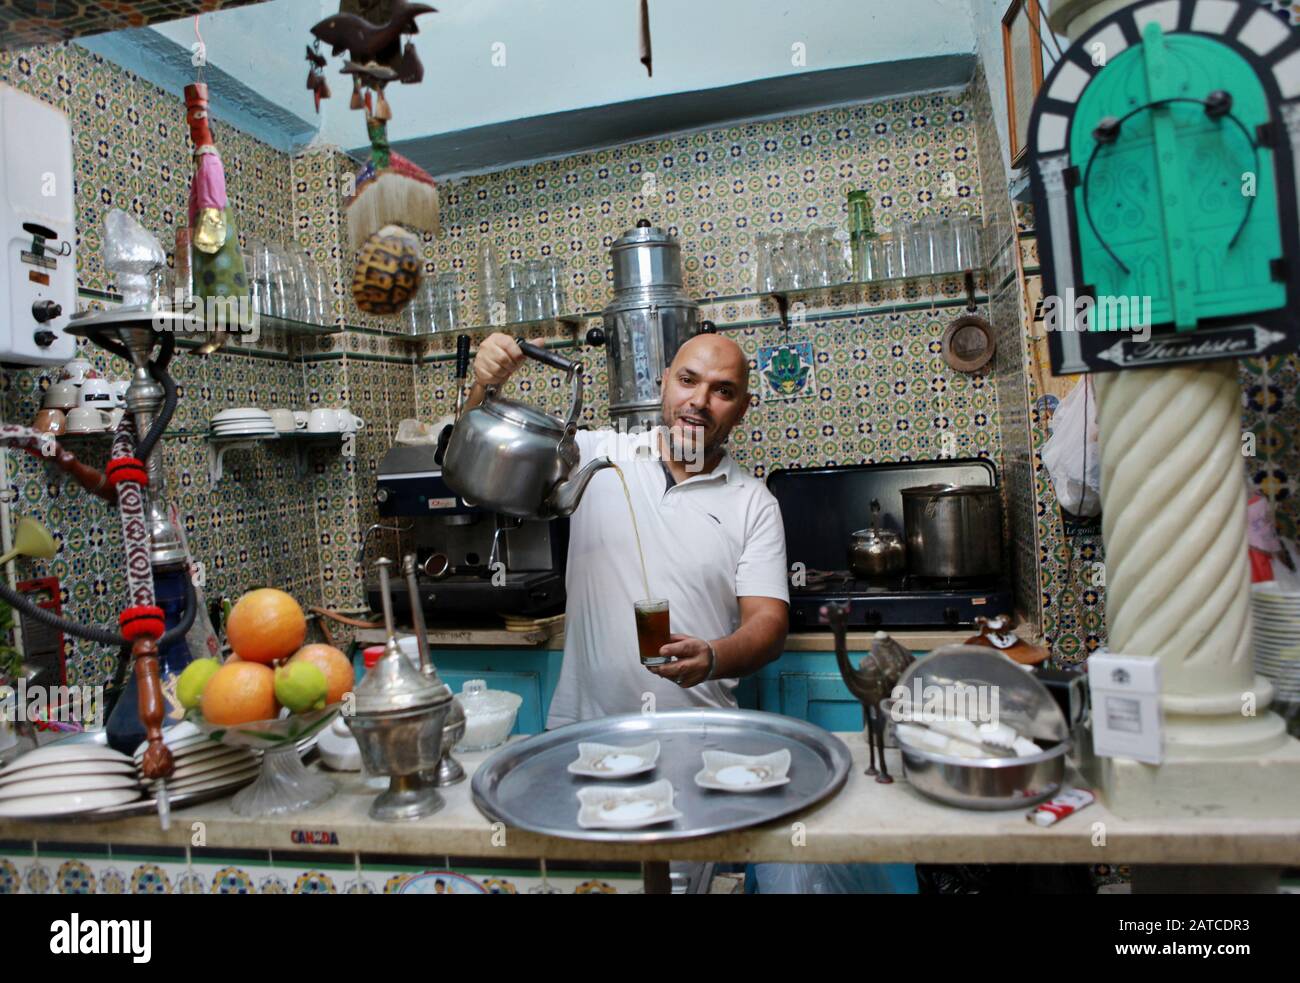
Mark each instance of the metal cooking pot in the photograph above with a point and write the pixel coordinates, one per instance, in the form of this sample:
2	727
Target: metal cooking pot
876	553
953	530
512	458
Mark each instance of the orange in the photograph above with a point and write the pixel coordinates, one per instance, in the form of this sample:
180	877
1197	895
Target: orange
335	665
265	625
239	693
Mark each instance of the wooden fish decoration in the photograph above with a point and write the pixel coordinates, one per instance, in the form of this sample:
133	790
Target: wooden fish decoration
367	42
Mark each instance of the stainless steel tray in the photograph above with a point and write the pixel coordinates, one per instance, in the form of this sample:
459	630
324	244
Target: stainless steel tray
527	786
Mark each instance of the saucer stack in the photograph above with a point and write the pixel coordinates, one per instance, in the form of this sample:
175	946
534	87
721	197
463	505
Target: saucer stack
1277	638
246	421
64	779
202	765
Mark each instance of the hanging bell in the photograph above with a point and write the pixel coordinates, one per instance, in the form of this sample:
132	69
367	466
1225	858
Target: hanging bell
357	101
382	111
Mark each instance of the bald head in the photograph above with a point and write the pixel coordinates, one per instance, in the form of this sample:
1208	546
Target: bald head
706	393
717	352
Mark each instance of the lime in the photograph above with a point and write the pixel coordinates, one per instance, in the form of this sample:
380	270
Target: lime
189	687
301	686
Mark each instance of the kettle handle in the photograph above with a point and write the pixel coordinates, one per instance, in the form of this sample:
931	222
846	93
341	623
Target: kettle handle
571	366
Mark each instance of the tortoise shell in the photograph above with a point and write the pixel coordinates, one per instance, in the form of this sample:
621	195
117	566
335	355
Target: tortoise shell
387	272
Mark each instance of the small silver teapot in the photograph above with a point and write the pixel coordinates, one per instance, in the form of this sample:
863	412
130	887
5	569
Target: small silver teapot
515	459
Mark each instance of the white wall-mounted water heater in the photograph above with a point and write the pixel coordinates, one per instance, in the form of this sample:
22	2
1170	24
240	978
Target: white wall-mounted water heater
38	281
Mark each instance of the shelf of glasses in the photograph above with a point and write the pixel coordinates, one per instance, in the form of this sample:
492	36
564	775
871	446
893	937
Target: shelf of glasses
784	296
519	328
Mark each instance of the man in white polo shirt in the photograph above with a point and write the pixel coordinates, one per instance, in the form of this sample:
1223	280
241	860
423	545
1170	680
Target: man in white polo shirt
712	536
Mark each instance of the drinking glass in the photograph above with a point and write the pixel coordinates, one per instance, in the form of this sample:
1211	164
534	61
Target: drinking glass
901	251
651	629
918	249
535	280
764	281
516	291
945	245
888	256
780	260
490	281
796	246
967	230
828	256
557	280
447	302
417	316
862	257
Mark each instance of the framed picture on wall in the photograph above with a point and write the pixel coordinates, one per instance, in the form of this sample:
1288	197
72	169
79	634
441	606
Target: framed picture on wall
1023	57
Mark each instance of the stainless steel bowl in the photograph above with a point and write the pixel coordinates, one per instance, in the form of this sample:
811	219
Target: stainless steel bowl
1022	702
986	783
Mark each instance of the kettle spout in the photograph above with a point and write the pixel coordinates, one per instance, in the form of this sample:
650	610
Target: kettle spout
565	496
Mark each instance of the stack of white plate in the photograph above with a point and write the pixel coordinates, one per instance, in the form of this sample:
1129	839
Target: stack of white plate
1277	638
247	421
63	779
202	765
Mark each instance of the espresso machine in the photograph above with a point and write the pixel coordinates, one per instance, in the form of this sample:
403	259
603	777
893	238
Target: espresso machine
470	562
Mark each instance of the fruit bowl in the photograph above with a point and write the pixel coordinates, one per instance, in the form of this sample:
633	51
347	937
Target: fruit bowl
284	784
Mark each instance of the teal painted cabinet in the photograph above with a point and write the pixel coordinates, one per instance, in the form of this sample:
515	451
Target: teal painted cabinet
806	685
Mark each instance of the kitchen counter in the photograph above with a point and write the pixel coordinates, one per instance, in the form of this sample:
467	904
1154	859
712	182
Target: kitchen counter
866	821
796	641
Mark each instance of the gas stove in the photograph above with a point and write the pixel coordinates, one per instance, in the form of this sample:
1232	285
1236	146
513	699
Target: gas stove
822	507
902	602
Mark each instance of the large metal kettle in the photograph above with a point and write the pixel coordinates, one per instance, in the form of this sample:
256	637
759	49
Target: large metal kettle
515	459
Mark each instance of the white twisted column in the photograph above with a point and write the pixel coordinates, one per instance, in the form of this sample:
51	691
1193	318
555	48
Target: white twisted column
1177	575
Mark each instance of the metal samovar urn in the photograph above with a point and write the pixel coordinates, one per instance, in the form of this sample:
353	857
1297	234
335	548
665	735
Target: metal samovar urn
398	724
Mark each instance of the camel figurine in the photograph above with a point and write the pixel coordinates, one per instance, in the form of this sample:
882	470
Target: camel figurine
873	680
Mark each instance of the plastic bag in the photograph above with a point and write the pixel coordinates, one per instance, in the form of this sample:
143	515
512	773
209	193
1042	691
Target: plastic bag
131	252
414	433
1071	454
832	879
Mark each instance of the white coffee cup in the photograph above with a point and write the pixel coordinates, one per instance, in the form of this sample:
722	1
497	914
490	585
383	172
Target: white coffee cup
323	421
349	422
115	417
300	419
78	371
283	421
97	393
60	396
89	419
119	392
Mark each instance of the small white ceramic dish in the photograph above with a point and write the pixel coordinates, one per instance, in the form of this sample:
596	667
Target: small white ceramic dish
65	784
611	761
61	752
727	772
604	807
66	805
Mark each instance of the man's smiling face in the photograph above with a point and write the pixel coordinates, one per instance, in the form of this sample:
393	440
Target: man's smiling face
706	393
